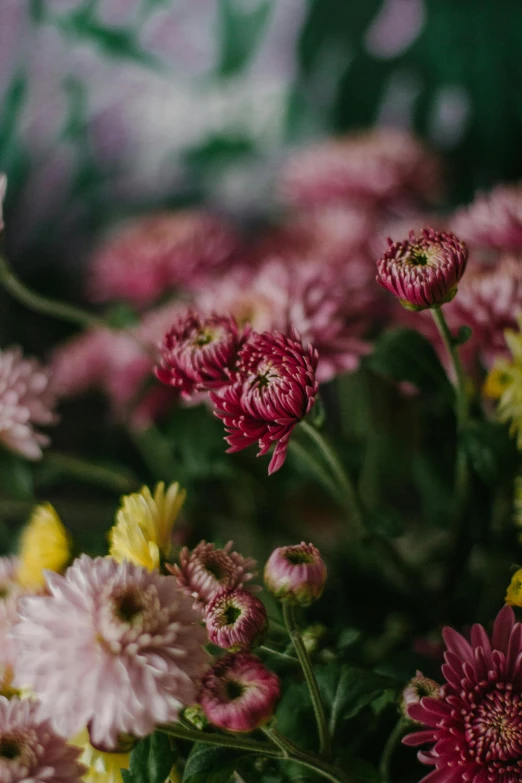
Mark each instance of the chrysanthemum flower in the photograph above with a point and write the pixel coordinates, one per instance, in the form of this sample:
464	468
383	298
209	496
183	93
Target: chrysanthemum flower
493	220
200	353
45	544
236	620
239	693
383	167
417	688
113	647
206	571
423	271
143	530
275	389
504	383
296	573
25	400
155	254
101	767
475	725
30	751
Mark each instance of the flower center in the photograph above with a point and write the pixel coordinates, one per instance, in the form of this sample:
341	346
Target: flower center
9	748
4	592
216	569
299	557
418	258
231	614
494	728
128	606
234	690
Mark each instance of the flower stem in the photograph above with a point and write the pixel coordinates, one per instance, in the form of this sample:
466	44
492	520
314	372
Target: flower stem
291	752
460	386
280	654
223	740
91	473
325	742
389	749
346	491
42	304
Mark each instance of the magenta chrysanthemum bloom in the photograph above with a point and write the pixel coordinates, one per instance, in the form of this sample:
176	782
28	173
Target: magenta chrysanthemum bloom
418	688
493	220
275	389
383	167
476	724
206	571
30	751
239	693
236	620
296	573
113	647
25	400
200	353
153	255
423	271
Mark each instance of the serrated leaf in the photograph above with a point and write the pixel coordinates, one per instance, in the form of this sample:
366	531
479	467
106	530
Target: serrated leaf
151	760
211	764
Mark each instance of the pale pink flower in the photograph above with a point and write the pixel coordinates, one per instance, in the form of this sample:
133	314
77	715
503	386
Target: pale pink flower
206	571
25	400
382	167
417	688
153	255
296	573
239	693
113	647
492	220
30	751
10	593
236	620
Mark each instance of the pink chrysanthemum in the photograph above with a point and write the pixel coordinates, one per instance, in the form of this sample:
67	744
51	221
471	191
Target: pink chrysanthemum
418	688
296	573
113	647
239	693
476	724
25	400
30	751
153	255
382	167
236	620
493	220
276	388
206	571
200	353
423	271
10	593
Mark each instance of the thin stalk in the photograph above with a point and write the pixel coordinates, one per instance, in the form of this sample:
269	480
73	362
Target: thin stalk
271	651
291	752
223	740
460	386
42	304
91	473
389	749
325	742
156	453
315	467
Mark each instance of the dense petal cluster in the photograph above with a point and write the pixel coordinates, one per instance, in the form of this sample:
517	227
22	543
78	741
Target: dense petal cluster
493	220
157	253
126	638
44	544
475	726
236	620
206	571
380	167
143	530
296	573
25	400
200	353
239	693
30	751
276	387
423	271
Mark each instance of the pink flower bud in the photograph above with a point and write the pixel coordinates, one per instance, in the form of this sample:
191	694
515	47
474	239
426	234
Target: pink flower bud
296	573
417	688
236	620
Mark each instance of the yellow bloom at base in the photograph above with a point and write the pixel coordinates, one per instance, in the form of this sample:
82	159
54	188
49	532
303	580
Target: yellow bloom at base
101	767
514	591
143	529
44	544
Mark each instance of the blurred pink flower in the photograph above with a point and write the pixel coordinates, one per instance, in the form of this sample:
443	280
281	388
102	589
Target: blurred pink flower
206	571
126	638
30	751
239	693
276	387
236	620
151	256
10	592
26	399
493	220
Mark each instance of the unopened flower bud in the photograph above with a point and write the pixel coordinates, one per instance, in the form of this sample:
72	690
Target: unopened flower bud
417	688
236	620
296	573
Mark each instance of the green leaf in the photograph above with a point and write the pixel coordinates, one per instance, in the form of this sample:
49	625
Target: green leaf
211	764
241	32
405	355
463	335
16	476
490	450
151	760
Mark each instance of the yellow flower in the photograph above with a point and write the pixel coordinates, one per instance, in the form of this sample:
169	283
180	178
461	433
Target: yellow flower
45	543
144	523
101	767
504	383
514	591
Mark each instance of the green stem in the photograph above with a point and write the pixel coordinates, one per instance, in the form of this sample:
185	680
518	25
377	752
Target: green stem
325	742
389	749
156	454
91	473
291	752
346	490
278	653
42	304
223	740
451	348
315	467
